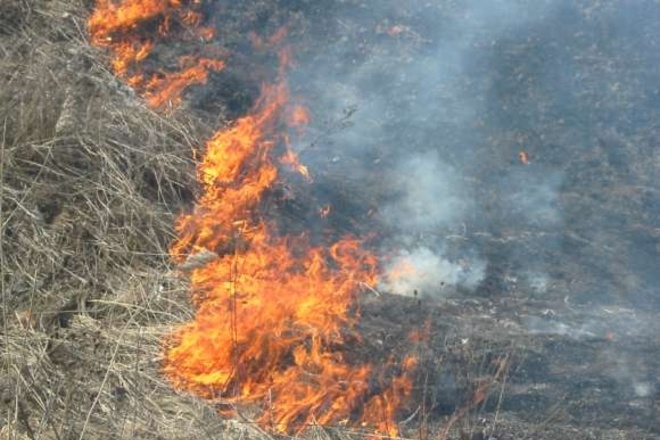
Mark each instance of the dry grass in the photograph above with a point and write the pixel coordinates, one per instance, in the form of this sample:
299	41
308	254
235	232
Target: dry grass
91	184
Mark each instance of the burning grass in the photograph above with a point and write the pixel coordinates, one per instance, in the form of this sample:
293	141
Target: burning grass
92	181
271	310
132	30
92	184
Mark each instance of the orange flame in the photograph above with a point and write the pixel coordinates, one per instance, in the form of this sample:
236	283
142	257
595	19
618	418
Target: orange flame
273	313
299	117
402	269
125	28
166	88
524	157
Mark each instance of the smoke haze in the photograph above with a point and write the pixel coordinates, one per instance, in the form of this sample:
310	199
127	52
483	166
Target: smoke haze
504	151
426	106
401	70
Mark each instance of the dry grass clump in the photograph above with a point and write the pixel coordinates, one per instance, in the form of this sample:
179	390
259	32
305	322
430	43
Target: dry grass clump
91	178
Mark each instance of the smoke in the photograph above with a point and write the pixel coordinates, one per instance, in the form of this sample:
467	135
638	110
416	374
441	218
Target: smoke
430	200
421	109
470	137
420	113
426	272
397	110
429	196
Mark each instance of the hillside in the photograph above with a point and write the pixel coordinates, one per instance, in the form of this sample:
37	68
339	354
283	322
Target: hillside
515	181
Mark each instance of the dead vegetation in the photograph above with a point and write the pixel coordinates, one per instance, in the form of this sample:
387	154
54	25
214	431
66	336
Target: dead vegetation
91	184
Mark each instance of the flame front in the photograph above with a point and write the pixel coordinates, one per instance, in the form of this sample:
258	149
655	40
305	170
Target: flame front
273	313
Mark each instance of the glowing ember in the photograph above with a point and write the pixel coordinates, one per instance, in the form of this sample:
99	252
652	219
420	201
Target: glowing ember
127	29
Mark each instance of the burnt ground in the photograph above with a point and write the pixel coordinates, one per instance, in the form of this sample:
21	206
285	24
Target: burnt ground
570	371
558	340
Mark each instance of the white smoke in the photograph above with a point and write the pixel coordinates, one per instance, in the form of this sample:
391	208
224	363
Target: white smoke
430	196
411	127
426	273
430	200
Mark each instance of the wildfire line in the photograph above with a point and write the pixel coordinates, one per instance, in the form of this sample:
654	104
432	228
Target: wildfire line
272	310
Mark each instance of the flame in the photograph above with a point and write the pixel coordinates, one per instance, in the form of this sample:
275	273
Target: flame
274	313
325	210
402	269
166	88
125	28
524	157
299	117
290	158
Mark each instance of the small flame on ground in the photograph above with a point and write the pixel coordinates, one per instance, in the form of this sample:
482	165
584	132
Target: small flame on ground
524	157
127	28
273	313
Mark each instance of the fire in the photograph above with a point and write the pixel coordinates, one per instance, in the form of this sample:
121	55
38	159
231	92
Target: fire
299	117
403	268
524	157
274	313
126	29
166	88
291	159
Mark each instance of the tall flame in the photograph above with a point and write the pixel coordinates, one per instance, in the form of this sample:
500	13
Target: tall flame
275	314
